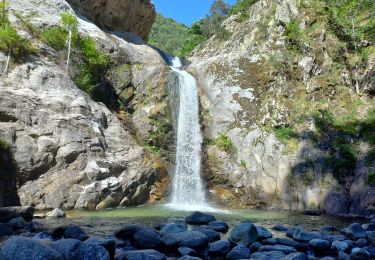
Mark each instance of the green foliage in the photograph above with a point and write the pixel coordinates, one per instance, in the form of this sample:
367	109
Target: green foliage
308	178
241	8
223	142
285	134
168	35
55	37
4	146
243	164
4	13
371	179
211	25
195	38
295	36
69	21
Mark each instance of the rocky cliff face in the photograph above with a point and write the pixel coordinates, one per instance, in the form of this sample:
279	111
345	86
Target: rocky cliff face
284	127
136	16
69	151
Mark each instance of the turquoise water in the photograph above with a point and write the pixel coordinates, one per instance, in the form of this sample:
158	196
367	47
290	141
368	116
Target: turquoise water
104	223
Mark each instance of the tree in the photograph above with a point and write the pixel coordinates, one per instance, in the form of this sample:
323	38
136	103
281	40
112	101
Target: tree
219	11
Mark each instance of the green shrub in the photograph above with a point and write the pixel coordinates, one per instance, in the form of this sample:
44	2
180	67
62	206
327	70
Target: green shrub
223	34
55	37
69	21
285	133
11	42
223	142
371	179
241	8
195	38
243	164
4	146
295	36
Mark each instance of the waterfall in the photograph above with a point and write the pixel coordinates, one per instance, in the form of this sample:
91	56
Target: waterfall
188	189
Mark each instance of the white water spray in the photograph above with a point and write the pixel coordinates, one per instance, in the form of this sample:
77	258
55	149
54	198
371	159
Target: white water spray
188	189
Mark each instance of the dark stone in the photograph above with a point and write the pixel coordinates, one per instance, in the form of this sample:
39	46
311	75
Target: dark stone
340	246
192	239
320	244
187	251
8	213
281	248
17	223
280	228
328	229
343	256
292	243
269	241
93	251
300	234
268	255
312	212
68	248
43	236
296	256
369	227
58	233
362	242
239	252
371	250
218	226
108	244
173	228
371	237
199	218
146	254
334	237
219	248
212	235
5	230
75	232
255	247
355	231
244	234
263	233
359	254
188	257
147	239
21	248
128	231
290	231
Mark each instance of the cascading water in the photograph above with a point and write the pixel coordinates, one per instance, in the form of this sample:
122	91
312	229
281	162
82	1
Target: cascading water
188	189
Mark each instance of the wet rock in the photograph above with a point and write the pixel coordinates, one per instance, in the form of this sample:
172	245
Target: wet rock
280	228
199	218
43	236
270	241
173	228
371	237
340	246
128	231
149	254
371	250
191	239
320	244
300	234
255	247
75	232
268	255
239	252
7	213
291	243
263	233
218	226
343	256
187	251
17	223
296	256
56	213
244	234
355	231
369	227
68	248
188	257
212	235
93	251
362	242
219	248
22	248
359	254
147	239
108	244
5	230
281	248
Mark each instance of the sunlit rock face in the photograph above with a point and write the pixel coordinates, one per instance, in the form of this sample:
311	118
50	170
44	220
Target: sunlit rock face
136	16
253	83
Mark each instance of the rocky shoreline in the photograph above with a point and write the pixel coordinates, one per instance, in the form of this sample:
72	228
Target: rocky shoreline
198	236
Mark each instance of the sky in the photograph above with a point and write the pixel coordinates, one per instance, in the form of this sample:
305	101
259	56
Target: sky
185	11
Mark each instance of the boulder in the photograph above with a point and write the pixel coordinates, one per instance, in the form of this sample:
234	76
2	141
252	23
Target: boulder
22	248
359	254
340	246
281	248
355	231
56	213
7	213
108	244
187	251
191	239
218	226
68	248
149	254
291	243
128	231
280	228
43	236
343	256
75	232
300	234
371	237
212	235
199	218
255	247
268	255
239	252
17	223
263	233
270	241
219	248
188	257
147	239
296	256
320	244
362	242
90	250
173	228
370	250
244	234
5	230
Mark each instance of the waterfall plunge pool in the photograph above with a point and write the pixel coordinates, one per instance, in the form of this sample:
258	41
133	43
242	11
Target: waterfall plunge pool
104	223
